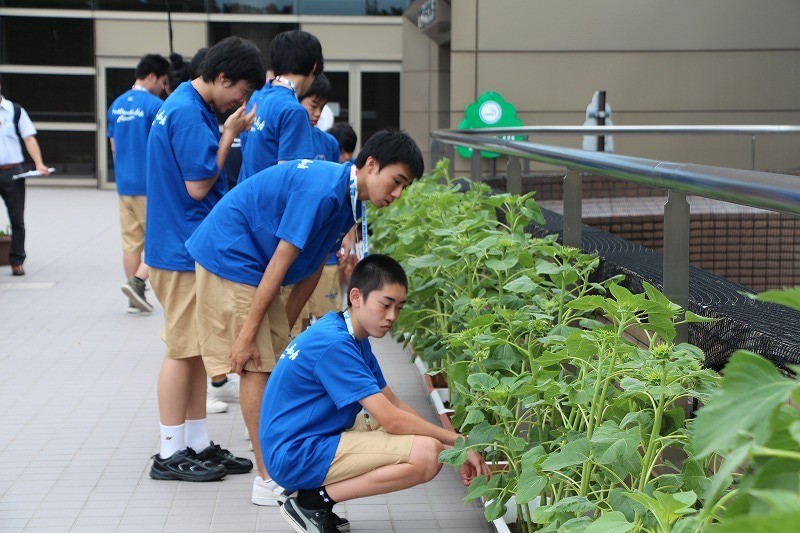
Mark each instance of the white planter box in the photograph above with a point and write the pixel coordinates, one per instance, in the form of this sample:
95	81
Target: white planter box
438	399
421	365
501	524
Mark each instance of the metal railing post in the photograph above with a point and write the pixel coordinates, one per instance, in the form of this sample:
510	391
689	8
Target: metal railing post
514	176
435	152
573	208
450	154
476	168
676	254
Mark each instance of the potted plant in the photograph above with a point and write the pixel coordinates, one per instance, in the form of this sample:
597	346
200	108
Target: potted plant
5	244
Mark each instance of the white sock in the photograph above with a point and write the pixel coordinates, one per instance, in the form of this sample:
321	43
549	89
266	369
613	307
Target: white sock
172	440
197	435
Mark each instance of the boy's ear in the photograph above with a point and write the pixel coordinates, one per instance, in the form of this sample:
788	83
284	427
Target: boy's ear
223	80
355	297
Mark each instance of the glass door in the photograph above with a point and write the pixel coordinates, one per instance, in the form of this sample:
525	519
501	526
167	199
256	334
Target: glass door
114	77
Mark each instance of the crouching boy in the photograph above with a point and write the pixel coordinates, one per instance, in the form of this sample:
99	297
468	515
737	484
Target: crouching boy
277	228
331	428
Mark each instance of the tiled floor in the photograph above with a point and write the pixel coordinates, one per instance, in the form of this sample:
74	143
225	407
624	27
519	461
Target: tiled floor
78	418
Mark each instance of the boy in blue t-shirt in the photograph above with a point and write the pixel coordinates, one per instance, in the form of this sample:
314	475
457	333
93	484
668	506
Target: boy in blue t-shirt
346	136
185	178
278	228
312	436
281	131
129	119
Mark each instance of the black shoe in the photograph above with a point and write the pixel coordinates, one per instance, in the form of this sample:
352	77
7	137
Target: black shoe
342	524
305	520
17	270
186	466
220	456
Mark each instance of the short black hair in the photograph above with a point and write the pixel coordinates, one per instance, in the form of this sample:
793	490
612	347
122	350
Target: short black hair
346	135
392	146
375	272
178	72
296	52
152	64
320	88
195	62
237	58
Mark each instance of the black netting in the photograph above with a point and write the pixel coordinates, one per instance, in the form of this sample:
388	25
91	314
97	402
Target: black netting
764	328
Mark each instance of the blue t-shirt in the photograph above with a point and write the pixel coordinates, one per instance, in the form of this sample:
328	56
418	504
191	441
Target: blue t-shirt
182	146
128	123
311	398
325	146
305	203
281	131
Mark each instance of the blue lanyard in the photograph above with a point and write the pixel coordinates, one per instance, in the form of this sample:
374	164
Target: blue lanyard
363	250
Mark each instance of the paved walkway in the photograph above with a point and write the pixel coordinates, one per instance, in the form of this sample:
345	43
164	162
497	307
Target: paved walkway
78	417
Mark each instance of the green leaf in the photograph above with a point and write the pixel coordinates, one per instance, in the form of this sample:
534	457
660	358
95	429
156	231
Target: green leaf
430	260
509	261
530	485
692	318
613	522
474	416
483	434
787	297
778	500
767	523
617	447
522	284
482	321
794	431
587	303
751	390
483	382
572	453
455	456
566	506
495	509
477	488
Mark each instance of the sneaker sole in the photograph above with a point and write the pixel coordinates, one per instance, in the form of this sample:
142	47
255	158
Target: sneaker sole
299	528
216	411
137	301
270	502
169	476
134	311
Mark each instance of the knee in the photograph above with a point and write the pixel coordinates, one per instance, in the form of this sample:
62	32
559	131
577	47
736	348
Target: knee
429	458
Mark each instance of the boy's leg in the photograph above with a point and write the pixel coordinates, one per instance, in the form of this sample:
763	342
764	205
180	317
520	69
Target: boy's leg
132	211
252	391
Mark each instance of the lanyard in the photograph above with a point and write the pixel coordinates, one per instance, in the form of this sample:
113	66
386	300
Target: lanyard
362	251
138	88
291	84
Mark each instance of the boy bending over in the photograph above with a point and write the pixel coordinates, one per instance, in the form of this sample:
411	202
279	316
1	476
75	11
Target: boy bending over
330	426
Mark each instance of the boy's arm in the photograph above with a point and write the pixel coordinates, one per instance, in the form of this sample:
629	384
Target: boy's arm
244	347
400	422
32	146
397	402
300	294
234	125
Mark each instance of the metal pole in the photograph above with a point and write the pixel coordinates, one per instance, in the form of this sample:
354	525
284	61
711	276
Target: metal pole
573	208
476	170
435	152
450	154
514	176
753	152
676	255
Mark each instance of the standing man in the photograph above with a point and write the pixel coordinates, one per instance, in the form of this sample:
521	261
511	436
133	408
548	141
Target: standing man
129	121
16	125
185	179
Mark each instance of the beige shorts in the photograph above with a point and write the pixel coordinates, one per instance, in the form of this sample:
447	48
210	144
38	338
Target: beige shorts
222	307
362	450
327	296
176	293
132	211
298	324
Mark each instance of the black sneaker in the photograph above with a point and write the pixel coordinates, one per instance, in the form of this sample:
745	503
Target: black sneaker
185	466
305	520
134	289
342	524
220	456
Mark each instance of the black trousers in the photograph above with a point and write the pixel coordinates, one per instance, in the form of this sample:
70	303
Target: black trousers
13	193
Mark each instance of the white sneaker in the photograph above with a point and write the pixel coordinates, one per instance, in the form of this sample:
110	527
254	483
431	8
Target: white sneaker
267	492
226	393
214	406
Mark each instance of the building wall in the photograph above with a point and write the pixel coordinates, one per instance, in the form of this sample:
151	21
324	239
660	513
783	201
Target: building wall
676	62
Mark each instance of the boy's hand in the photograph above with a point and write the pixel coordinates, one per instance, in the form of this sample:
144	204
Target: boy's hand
474	466
240	121
241	352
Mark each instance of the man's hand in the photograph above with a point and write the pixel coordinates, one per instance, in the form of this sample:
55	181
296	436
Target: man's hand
240	121
348	242
242	351
43	169
474	467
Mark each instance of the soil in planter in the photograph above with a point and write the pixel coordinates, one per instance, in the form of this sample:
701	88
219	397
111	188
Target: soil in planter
439	381
514	528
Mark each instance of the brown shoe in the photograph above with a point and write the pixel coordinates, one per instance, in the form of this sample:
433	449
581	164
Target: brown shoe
17	270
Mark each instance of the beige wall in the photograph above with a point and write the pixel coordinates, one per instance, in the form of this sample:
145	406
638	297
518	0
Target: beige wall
358	42
126	38
661	62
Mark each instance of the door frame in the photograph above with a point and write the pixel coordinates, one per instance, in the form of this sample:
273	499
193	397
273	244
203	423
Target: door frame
104	63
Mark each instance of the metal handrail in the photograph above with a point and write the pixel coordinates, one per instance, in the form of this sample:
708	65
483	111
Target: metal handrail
776	192
765	190
639	130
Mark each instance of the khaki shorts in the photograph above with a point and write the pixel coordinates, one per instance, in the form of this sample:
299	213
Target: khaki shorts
132	220
328	295
222	307
298	324
362	450
176	293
